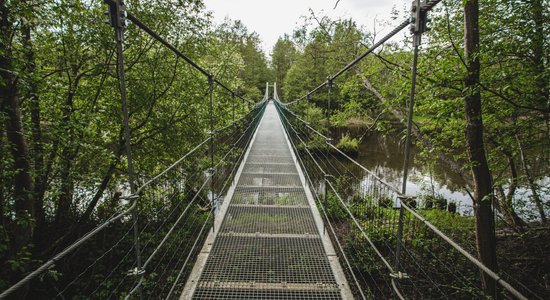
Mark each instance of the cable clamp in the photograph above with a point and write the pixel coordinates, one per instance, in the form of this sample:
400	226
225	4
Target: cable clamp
399	275
135	272
133	197
329	82
328	140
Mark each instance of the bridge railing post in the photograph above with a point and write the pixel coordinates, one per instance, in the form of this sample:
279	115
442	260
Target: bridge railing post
328	141
397	266
211	133
329	92
233	106
117	19
418	26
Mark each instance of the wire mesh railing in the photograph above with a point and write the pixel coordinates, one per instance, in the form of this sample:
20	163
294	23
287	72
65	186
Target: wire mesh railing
175	213
149	233
388	246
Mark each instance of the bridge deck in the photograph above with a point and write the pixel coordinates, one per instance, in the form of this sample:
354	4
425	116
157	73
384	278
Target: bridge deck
268	241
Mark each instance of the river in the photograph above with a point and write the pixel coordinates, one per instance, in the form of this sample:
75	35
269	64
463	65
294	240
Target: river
383	154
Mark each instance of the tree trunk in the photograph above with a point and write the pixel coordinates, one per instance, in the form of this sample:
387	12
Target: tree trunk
485	225
104	183
3	182
62	214
537	46
534	194
23	185
36	130
503	202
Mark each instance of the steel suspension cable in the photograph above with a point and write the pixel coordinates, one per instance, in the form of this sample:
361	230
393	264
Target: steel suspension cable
313	159
343	154
384	39
188	257
472	259
168	45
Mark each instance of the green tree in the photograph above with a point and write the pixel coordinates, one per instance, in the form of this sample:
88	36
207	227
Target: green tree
282	58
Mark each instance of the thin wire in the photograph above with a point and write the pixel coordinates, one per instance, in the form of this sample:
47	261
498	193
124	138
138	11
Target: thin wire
187	259
95	261
314	190
177	221
384	39
179	249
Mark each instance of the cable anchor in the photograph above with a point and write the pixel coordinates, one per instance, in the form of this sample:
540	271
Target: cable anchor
211	171
330	80
399	275
135	272
419	19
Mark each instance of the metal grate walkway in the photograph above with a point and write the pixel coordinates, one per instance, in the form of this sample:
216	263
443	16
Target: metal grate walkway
268	242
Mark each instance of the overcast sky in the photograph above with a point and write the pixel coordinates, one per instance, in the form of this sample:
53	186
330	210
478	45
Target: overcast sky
272	18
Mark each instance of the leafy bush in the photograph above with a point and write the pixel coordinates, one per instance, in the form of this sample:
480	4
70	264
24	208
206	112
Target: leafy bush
314	115
435	202
348	144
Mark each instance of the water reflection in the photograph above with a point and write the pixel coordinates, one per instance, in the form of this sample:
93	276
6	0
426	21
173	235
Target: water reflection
383	154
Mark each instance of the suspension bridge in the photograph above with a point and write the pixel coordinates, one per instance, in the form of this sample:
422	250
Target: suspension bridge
254	212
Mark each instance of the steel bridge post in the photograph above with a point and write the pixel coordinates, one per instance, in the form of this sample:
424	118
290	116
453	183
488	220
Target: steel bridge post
418	26
211	148
327	141
233	106
327	114
117	19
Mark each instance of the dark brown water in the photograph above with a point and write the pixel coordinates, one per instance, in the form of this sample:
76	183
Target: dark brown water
384	153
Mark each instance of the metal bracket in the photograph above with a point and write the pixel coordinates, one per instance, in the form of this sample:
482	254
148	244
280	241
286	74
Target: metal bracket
133	197
135	272
329	82
399	275
329	140
117	15
419	20
211	171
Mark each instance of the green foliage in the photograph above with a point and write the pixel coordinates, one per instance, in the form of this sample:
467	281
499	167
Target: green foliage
314	116
282	58
71	116
348	144
435	202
